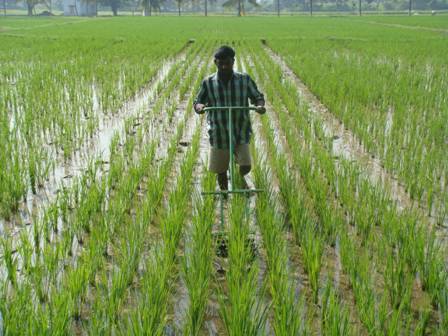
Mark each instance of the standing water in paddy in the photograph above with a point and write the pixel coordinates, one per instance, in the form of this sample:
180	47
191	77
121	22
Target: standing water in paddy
123	242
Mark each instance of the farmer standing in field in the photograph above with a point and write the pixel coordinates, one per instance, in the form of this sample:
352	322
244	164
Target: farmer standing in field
228	88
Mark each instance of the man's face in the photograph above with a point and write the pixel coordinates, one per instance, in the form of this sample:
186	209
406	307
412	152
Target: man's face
225	66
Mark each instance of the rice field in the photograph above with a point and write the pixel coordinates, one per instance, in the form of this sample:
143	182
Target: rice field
103	227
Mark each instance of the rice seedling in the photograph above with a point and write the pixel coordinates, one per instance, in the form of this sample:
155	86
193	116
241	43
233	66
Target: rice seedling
372	212
93	262
288	309
197	266
334	319
241	308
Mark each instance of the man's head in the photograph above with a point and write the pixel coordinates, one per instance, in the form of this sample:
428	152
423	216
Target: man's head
224	59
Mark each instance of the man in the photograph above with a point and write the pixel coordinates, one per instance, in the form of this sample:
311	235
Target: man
228	88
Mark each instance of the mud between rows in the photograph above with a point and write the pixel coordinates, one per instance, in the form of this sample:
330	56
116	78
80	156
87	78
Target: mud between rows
331	265
95	149
347	145
331	259
141	102
181	115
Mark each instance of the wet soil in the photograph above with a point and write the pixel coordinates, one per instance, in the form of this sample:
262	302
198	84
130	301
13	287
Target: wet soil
347	145
296	268
97	148
331	262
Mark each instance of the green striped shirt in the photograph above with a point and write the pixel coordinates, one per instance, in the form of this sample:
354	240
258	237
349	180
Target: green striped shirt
236	92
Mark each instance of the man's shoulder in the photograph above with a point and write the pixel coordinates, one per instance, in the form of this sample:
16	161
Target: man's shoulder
209	77
240	74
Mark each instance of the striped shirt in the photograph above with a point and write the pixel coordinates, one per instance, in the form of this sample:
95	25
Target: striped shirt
236	92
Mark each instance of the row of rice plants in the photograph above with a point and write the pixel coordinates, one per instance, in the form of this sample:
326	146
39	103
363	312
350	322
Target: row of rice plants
115	216
52	103
89	195
288	317
105	316
375	198
149	316
302	215
399	113
197	263
241	306
61	289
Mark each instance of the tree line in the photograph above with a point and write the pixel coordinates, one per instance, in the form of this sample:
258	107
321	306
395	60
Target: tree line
241	7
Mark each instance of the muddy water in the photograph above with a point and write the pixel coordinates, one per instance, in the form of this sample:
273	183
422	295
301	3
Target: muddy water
180	299
332	267
345	143
96	149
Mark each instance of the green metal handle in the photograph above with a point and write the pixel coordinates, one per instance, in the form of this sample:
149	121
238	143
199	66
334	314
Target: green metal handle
232	189
212	108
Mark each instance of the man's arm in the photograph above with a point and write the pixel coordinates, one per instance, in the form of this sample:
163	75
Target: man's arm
201	99
256	97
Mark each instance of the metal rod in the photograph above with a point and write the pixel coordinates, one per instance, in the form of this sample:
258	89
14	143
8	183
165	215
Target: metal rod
251	108
231	148
221	205
236	191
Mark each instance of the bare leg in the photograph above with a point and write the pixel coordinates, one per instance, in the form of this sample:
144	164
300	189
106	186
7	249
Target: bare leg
244	170
223	181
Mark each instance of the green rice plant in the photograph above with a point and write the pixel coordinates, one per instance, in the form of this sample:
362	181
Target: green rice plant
26	252
391	321
241	309
288	310
334	318
150	315
10	261
422	324
443	302
197	265
356	265
397	280
312	251
429	264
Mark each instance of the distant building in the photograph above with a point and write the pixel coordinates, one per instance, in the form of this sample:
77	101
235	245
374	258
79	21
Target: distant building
80	7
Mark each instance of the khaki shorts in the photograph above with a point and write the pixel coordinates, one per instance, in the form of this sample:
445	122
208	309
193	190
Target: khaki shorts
219	158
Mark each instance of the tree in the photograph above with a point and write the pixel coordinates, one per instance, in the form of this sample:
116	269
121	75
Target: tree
179	4
239	4
149	5
30	4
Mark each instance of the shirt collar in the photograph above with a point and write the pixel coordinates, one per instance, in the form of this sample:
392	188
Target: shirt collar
217	75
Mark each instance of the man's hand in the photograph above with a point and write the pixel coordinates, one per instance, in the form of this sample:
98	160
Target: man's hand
261	109
199	108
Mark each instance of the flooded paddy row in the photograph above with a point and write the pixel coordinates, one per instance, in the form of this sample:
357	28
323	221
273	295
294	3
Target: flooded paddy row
127	243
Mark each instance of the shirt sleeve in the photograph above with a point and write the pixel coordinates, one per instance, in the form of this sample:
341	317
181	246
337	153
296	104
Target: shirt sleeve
254	94
202	96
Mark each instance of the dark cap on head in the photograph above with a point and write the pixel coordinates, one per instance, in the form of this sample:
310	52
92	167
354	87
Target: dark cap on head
224	52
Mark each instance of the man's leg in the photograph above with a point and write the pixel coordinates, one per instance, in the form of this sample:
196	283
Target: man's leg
244	170
223	181
242	157
218	164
